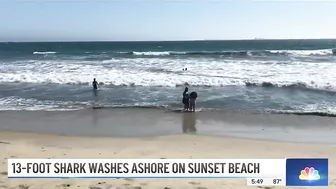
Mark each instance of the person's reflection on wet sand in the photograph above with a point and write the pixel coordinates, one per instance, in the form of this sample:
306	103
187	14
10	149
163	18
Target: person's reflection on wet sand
189	122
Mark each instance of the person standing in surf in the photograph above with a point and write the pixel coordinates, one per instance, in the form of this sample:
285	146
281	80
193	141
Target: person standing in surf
185	99
95	84
192	101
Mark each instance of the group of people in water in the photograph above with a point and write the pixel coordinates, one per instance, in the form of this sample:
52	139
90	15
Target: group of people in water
189	100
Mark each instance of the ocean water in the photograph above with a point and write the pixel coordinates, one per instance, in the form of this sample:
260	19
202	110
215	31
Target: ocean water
279	76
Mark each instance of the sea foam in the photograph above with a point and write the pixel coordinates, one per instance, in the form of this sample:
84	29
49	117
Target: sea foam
168	72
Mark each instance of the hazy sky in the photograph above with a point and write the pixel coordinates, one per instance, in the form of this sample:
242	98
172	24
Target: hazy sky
54	20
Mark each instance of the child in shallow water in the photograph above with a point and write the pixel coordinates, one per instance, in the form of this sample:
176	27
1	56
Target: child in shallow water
95	84
192	101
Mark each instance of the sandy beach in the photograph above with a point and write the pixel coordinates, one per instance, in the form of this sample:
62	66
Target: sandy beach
20	143
25	145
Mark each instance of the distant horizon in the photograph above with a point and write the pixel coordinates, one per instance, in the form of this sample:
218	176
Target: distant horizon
185	40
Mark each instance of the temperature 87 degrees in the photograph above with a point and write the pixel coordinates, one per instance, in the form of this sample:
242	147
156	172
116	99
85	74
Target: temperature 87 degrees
266	182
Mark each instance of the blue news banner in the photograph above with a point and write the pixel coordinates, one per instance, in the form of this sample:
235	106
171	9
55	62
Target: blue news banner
307	172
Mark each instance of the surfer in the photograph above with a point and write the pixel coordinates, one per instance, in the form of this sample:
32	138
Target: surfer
192	101
95	84
185	99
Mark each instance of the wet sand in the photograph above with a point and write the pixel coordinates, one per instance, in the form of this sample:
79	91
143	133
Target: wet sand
143	122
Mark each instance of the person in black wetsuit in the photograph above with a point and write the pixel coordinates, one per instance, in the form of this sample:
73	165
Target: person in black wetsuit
95	84
192	101
185	99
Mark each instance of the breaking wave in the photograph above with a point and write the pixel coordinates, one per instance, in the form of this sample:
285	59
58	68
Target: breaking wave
244	53
298	85
305	113
44	53
286	85
168	108
320	52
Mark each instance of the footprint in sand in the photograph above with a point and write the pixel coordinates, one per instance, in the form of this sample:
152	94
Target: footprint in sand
64	185
194	183
135	187
265	187
4	173
2	142
94	187
200	187
23	186
128	179
104	185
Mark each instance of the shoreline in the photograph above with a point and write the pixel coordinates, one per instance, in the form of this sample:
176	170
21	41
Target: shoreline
33	145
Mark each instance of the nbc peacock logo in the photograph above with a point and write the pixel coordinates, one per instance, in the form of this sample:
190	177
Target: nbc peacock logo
309	174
